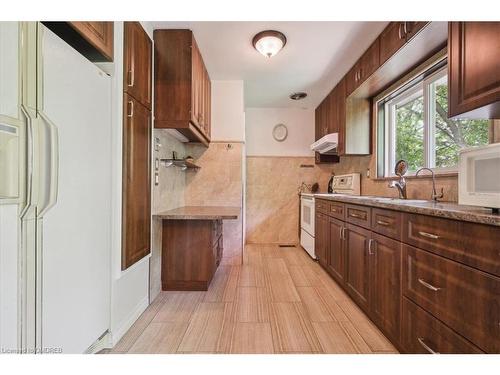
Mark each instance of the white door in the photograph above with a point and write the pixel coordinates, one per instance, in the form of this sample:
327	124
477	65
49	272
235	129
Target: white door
75	231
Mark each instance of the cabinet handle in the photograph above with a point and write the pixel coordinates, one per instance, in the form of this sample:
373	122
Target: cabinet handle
429	235
131	106
132	78
399	31
360	73
333	209
405	28
428	286
358	216
371	241
384	223
341	233
425	346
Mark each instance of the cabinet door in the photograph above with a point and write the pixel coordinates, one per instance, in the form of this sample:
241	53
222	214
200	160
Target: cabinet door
99	34
385	283
136	203
352	79
369	62
413	27
340	101
336	250
474	69
357	264
391	40
137	63
208	107
320	241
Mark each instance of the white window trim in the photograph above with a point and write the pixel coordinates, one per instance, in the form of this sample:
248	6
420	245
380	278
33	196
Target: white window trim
429	125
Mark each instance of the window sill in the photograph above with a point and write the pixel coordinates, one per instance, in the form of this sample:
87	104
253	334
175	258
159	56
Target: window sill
437	175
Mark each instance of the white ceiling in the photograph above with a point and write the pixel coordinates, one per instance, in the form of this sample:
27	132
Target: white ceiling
315	58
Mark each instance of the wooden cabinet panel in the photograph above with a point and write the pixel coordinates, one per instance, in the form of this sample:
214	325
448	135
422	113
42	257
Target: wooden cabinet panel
336	262
359	215
137	63
352	79
357	264
99	34
322	238
391	40
336	210
387	222
136	204
93	39
452	240
182	85
369	62
385	283
465	299
424	334
321	206
473	69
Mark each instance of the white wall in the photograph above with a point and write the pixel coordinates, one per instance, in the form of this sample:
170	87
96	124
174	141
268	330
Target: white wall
129	288
259	124
228	116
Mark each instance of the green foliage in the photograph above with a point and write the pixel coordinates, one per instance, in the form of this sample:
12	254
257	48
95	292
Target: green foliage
450	135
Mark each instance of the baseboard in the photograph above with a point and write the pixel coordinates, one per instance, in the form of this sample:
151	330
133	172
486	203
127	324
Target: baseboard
117	334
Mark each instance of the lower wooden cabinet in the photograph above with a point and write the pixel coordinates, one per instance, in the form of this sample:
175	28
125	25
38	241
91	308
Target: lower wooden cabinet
423	299
191	252
385	283
357	240
336	248
136	201
424	334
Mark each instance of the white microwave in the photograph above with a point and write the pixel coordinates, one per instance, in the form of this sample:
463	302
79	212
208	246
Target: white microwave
479	176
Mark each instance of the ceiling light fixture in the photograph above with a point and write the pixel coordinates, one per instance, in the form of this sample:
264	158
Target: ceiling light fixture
298	95
269	42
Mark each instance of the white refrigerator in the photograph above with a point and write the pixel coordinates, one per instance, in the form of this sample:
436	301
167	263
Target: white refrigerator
60	208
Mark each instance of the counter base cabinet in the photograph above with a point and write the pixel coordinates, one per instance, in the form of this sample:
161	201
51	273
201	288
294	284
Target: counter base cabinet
424	334
191	252
442	297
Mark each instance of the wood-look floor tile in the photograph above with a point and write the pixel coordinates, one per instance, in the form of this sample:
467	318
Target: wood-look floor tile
280	281
252	276
333	339
160	338
252	305
331	303
316	309
231	284
376	341
140	325
292	332
178	306
252	338
292	257
206	327
215	292
298	275
271	251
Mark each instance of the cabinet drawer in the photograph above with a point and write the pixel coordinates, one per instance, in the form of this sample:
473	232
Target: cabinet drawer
322	206
422	333
358	215
387	222
473	244
465	299
336	210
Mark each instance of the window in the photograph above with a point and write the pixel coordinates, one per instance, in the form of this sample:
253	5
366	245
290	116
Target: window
414	126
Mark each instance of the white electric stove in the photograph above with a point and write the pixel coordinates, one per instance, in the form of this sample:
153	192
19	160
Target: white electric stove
348	184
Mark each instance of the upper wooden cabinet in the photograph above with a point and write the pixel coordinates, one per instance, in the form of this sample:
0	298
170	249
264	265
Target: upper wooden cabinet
137	59
93	39
395	35
474	69
182	86
364	67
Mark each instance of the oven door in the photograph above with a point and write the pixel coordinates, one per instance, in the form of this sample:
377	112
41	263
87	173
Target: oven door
307	214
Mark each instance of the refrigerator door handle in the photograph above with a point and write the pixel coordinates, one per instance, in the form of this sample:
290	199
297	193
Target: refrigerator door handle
49	157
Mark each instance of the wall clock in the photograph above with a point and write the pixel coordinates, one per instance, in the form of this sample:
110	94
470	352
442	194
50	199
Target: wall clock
280	132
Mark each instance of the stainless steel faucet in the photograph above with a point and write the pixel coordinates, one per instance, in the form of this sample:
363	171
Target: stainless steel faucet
401	186
435	196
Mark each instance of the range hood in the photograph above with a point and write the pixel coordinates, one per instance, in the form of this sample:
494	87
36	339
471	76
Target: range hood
327	144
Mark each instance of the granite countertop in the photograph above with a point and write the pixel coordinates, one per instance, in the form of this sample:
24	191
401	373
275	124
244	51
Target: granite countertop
200	213
447	210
